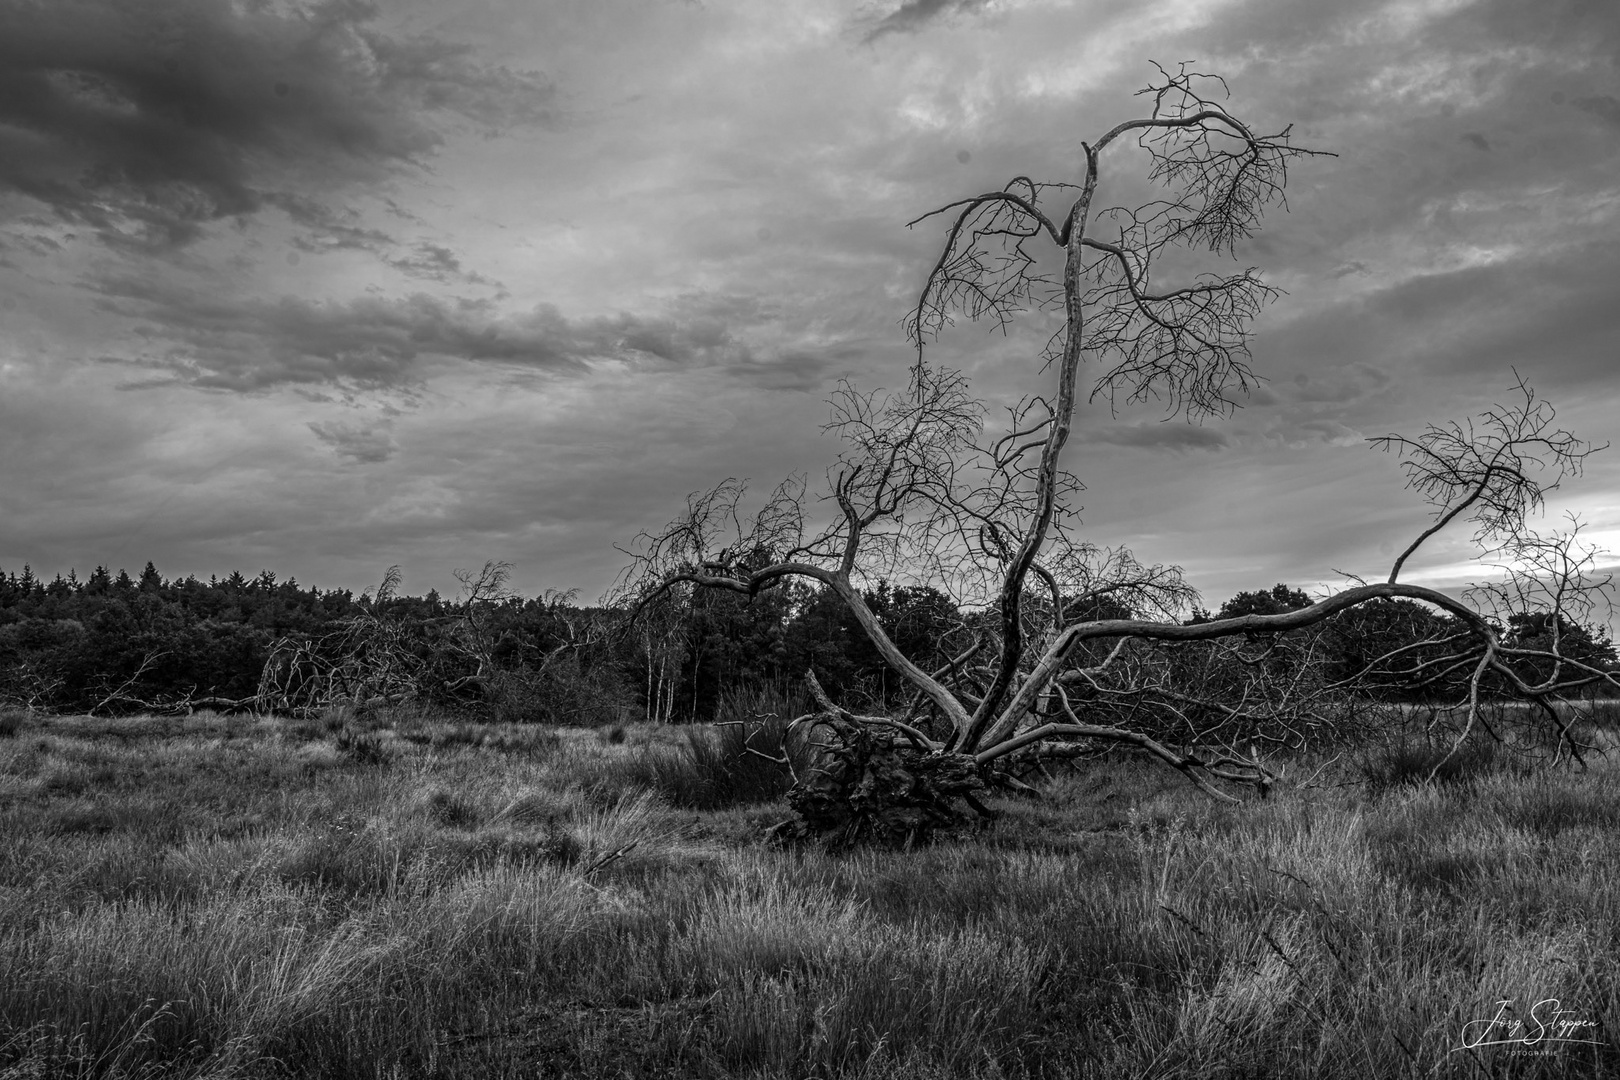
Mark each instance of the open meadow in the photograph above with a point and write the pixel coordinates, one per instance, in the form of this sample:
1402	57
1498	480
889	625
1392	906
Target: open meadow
231	896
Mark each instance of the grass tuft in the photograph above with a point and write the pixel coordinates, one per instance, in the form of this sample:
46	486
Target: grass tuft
11	722
1412	762
361	747
747	757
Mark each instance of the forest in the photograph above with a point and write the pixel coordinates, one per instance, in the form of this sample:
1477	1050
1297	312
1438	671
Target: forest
112	644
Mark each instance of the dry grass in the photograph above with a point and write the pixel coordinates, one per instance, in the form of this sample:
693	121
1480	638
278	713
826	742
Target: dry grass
231	897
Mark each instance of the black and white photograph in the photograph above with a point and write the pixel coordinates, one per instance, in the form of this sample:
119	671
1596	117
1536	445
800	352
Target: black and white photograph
777	539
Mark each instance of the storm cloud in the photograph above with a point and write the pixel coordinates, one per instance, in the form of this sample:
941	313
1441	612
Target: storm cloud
361	444
147	120
211	340
913	15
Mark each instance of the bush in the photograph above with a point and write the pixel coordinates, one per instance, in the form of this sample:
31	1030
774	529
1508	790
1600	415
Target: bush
11	722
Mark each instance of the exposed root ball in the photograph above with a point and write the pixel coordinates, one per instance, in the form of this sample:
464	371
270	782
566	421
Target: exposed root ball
871	786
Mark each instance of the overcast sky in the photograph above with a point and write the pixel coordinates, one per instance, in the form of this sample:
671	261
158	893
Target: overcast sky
321	288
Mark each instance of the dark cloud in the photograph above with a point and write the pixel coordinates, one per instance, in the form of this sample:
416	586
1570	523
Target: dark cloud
200	338
1338	386
787	371
1551	315
1477	141
1441	345
913	15
1605	107
362	444
327	228
1563	28
434	262
145	120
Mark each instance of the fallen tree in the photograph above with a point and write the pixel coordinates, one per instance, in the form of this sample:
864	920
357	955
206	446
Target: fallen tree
1076	644
471	656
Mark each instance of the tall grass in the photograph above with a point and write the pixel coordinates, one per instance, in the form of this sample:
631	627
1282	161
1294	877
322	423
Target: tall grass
748	756
230	898
1412	762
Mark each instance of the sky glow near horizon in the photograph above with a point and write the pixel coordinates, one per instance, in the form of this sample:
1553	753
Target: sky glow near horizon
324	288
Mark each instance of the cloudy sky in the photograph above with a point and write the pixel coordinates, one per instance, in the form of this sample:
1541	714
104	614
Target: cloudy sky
325	287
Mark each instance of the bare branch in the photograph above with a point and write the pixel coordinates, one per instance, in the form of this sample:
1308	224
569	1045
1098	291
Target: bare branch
930	491
1489	468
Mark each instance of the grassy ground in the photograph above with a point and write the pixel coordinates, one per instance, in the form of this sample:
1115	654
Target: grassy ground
239	897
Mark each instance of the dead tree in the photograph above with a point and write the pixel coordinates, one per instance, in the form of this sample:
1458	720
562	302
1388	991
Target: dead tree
367	661
516	676
926	491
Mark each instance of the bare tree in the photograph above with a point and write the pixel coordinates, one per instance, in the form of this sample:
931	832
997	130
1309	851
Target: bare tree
1075	642
368	660
537	675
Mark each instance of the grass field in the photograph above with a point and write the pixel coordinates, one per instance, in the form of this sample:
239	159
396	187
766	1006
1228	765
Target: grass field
241	897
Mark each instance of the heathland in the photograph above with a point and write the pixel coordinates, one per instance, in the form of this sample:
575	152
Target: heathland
399	895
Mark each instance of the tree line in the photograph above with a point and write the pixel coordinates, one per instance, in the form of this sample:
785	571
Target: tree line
116	644
113	643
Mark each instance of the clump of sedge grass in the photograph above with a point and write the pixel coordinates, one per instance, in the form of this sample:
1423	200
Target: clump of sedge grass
11	722
749	756
1412	763
361	747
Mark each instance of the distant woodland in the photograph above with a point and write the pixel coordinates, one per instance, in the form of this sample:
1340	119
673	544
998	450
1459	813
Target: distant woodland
111	643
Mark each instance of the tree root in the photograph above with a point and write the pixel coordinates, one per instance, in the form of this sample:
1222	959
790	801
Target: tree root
869	785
